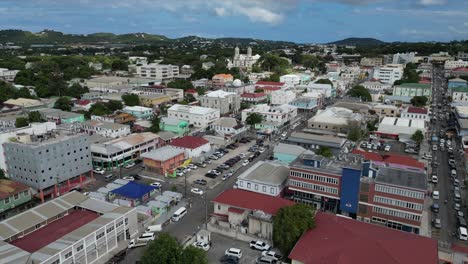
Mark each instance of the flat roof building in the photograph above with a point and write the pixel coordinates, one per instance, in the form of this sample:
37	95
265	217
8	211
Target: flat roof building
267	178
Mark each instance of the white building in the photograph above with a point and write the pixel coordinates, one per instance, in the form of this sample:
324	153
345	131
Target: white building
404	58
8	75
325	89
416	113
245	61
112	84
194	115
281	97
404	128
102	229
290	79
336	119
376	85
267	178
452	64
225	102
106	129
389	73
228	126
279	114
194	147
158	71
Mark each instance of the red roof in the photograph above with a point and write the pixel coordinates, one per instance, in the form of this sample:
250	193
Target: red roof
425	81
9	188
252	201
236	210
189	142
339	240
368	155
390	158
83	102
270	83
268	88
191	91
417	110
463	69
253	95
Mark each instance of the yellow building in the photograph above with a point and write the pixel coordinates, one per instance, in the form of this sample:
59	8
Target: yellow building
153	100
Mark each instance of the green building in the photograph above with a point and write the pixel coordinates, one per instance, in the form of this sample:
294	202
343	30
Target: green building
178	127
60	117
14	198
412	89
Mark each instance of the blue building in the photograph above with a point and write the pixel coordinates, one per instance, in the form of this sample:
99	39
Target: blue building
304	103
457	82
286	153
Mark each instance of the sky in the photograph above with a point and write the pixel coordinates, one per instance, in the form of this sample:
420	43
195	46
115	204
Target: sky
302	21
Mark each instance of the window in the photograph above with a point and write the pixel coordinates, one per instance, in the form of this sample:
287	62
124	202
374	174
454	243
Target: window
256	186
17	196
79	248
264	188
69	254
248	185
7	200
395	213
272	190
100	235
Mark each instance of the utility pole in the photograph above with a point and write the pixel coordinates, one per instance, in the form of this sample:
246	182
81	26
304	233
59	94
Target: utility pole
206	210
185	185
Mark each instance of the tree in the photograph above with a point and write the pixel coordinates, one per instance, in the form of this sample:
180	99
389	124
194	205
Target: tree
154	125
259	90
119	65
2	174
21	122
34	117
180	84
164	249
190	98
371	125
114	105
193	255
324	81
289	224
76	90
99	109
324	151
360	92
418	136
253	119
131	99
201	90
63	103
419	101
354	134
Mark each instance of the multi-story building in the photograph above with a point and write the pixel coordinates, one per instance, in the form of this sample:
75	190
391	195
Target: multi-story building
280	114
194	115
385	110
8	75
337	119
163	160
388	73
376	85
413	89
154	100
459	94
119	118
457	82
220	80
228	127
14	198
373	61
156	71
267	178
452	64
60	117
140	112
290	79
404	58
72	228
194	147
51	163
326	90
254	98
174	93
282	97
304	103
462	56
244	61
112	84
106	129
416	113
123	150
225	102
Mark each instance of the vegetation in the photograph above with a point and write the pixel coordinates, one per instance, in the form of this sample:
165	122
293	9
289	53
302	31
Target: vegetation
99	109
119	65
154	125
419	101
418	136
253	119
324	151
359	91
165	249
180	84
34	117
289	224
114	105
354	133
324	81
64	104
371	125
409	74
2	174
273	63
21	122
131	99
8	91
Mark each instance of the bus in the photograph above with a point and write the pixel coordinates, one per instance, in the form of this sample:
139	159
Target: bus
179	214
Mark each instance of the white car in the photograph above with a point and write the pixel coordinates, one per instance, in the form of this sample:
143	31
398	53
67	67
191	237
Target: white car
434	147
271	254
435	195
434	179
233	252
202	245
196	191
245	163
242	155
192	166
261	150
156	184
387	148
99	170
129	165
259	245
128	178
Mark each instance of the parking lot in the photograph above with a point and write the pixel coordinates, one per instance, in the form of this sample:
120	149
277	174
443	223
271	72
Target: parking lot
221	243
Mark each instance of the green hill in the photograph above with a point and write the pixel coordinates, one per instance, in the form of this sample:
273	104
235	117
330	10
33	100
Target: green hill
358	42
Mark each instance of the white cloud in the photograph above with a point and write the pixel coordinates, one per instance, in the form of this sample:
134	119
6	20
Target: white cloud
220	11
432	2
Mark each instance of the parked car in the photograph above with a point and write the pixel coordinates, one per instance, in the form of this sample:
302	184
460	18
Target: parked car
434	179
259	245
272	254
233	252
202	246
435	195
99	170
437	223
226	176
200	182
196	191
192	166
435	207
129	165
229	259
387	148
128	178
201	164
245	163
156	184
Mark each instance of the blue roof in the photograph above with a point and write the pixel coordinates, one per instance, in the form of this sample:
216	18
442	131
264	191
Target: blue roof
133	190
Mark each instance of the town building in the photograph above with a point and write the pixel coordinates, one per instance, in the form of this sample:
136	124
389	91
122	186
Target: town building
163	160
335	237
356	106
280	114
268	178
120	151
287	153
207	65
133	193
290	79
14	198
459	72
388	73
194	115
315	141
264	84
452	64
459	94
139	112
416	113
371	61
238	87
152	100
336	119
60	117
386	110
325	89
194	147
441	56
245	215
72	228
243	61
254	98
376	85
51	163
119	118
26	103
282	97
174	125
220	80
457	82
105	129
305	104
400	128
413	89
157	91
228	127
404	58
113	84
225	102
162	72
461	118
8	75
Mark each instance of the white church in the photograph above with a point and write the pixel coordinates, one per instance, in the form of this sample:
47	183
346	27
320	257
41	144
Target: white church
244	61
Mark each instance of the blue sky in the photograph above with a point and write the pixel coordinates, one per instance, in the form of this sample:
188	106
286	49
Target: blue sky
292	20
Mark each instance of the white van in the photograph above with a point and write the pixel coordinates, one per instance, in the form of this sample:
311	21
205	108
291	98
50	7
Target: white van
462	234
454	173
109	178
148	236
154	228
179	214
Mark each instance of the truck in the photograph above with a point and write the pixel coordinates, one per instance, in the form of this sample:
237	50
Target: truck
136	243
